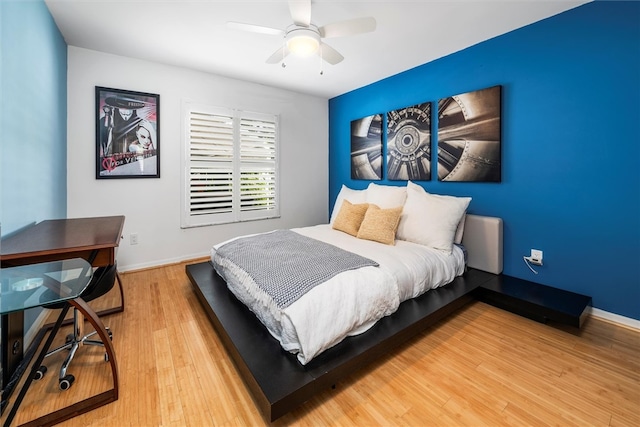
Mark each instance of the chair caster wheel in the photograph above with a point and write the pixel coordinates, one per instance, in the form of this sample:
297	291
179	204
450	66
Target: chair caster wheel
106	357
68	338
110	335
40	372
66	382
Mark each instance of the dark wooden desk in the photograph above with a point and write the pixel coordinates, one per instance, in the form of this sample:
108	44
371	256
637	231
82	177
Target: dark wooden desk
93	239
58	239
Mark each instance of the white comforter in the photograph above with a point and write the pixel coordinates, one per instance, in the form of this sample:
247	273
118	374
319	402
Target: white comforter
351	302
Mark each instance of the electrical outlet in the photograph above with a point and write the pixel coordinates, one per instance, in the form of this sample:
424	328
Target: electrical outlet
133	238
536	254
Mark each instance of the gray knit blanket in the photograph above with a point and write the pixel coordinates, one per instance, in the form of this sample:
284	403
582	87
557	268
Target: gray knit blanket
286	265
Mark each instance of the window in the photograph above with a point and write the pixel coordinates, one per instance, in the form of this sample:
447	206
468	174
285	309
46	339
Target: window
231	168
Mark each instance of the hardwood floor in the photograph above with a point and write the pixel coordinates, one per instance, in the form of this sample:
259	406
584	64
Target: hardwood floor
481	366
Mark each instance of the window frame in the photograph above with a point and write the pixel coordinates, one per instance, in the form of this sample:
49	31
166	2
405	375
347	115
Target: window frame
237	213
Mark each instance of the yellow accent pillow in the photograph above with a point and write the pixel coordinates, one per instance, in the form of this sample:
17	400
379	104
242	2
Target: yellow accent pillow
380	225
350	217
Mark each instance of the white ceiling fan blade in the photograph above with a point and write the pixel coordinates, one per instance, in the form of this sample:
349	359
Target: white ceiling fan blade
254	28
300	12
348	28
329	54
278	55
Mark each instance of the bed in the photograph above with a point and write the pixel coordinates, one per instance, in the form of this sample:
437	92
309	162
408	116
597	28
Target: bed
280	375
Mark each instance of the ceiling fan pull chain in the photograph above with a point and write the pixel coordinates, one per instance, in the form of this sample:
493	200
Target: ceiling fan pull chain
321	67
284	46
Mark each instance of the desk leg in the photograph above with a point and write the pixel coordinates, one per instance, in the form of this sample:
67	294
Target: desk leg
36	365
119	309
108	311
95	321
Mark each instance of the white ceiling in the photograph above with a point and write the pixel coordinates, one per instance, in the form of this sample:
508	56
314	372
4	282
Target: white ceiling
193	34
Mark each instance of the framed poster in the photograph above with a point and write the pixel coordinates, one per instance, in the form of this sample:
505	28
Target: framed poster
409	143
366	148
469	139
127	134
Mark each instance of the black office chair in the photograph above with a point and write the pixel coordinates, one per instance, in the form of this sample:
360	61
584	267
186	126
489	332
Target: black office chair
102	282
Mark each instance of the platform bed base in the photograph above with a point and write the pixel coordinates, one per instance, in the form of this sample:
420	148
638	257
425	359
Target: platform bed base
275	378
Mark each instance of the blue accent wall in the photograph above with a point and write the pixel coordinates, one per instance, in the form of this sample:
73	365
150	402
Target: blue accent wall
33	119
33	116
570	145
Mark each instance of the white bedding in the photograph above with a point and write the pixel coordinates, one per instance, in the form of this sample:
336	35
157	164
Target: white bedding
351	302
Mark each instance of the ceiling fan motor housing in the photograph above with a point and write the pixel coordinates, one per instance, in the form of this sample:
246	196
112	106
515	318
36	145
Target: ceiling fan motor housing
303	41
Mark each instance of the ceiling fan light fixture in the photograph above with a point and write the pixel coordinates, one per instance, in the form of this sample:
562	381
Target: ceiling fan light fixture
303	42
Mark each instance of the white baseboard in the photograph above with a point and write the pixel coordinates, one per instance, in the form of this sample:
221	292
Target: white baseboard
123	268
627	322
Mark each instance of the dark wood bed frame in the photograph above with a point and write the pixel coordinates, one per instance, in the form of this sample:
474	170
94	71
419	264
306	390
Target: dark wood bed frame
275	378
279	383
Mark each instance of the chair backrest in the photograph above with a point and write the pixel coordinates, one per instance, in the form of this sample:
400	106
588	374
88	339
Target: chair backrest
102	282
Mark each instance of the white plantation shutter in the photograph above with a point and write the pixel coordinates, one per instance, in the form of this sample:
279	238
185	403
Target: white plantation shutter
257	165
231	166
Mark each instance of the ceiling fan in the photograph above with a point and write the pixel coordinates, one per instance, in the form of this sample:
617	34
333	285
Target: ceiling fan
303	38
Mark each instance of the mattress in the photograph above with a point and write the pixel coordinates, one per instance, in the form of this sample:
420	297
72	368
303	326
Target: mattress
350	302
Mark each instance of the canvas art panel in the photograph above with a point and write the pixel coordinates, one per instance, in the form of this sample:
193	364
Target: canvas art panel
366	148
409	143
127	134
469	138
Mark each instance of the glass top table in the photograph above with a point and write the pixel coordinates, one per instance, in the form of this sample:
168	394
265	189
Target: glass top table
41	284
36	285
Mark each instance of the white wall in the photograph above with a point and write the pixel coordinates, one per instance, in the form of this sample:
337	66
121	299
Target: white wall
152	206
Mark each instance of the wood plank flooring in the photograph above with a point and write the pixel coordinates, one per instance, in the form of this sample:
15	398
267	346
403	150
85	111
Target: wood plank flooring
480	366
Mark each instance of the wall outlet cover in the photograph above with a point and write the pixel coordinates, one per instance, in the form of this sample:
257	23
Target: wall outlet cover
536	254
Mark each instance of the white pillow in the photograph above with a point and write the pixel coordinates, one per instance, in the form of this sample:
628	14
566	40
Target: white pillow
460	229
354	196
386	196
429	219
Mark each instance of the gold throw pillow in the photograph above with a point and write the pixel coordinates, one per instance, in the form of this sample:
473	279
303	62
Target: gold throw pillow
350	217
380	225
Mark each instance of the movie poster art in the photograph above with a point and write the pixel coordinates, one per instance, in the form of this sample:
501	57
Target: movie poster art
127	134
366	148
409	143
469	138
